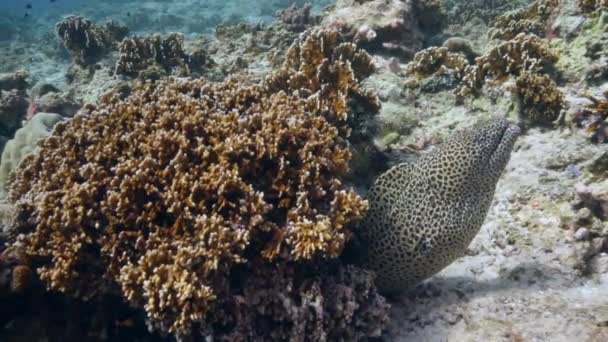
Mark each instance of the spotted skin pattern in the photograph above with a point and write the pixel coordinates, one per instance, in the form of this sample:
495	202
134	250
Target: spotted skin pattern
423	215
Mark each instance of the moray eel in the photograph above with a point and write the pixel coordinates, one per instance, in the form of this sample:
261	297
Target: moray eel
423	215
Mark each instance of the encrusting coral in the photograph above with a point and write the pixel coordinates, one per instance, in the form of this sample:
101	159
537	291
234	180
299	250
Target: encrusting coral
541	101
155	55
176	195
87	41
436	60
531	19
510	58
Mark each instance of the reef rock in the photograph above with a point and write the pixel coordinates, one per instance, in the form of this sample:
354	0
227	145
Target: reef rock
378	24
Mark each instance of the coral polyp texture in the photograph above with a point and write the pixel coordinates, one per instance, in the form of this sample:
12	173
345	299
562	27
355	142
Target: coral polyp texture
164	194
436	60
531	19
86	41
510	58
323	69
541	101
155	55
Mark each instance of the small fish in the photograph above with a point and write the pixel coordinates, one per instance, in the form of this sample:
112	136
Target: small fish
26	15
28	6
128	14
53	0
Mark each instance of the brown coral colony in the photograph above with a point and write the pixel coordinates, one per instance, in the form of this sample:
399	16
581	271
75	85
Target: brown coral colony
161	194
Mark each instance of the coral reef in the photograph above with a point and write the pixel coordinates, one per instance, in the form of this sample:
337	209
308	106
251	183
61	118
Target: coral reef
86	41
389	25
326	71
15	80
323	303
13	107
593	118
522	53
296	18
436	61
24	143
247	51
540	100
54	102
461	45
531	19
460	12
589	6
152	56
165	194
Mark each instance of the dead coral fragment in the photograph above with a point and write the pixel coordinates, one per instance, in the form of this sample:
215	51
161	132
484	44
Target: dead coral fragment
531	19
156	55
436	61
325	71
541	101
589	6
163	193
594	118
86	41
520	54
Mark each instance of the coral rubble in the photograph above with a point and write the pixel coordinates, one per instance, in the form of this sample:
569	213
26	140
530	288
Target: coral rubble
152	56
86	41
167	194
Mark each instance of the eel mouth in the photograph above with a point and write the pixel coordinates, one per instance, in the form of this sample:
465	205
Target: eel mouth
504	144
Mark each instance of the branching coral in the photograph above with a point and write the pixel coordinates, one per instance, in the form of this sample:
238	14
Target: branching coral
588	6
436	60
154	55
325	71
86	41
594	118
531	19
541	101
513	57
161	194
